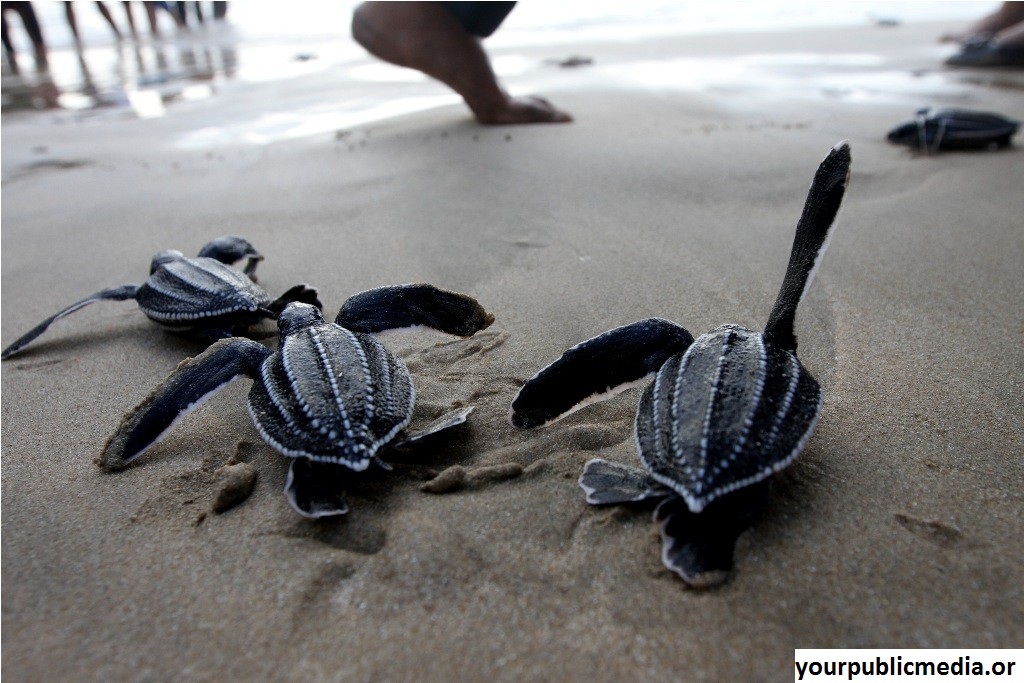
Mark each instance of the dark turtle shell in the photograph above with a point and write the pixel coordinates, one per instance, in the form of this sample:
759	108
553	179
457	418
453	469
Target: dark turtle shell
331	395
184	291
725	414
954	129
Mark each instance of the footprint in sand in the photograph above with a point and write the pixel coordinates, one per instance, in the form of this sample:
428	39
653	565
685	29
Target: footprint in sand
931	530
362	537
447	353
217	485
457	477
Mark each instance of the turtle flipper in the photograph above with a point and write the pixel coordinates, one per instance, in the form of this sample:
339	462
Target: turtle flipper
699	546
609	483
598	369
195	380
313	488
121	293
231	249
299	293
812	236
443	423
400	306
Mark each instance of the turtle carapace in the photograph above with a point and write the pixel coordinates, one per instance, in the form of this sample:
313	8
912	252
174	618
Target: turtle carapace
723	413
330	397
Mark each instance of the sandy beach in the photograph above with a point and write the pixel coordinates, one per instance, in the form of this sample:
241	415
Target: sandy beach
674	194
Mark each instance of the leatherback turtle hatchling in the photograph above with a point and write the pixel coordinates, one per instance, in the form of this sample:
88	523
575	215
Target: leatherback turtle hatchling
330	397
203	296
954	129
723	413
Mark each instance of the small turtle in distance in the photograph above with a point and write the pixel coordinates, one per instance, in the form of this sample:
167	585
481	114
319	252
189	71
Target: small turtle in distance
724	412
202	296
330	398
933	130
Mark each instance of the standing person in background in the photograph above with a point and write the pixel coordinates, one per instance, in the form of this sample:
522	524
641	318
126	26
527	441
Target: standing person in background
443	40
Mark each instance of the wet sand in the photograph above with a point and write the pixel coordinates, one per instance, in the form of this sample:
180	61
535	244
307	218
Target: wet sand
674	194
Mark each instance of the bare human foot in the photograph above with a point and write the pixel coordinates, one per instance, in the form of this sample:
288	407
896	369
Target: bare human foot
1008	14
530	109
427	37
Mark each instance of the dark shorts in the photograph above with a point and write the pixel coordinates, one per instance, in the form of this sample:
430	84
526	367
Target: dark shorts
480	18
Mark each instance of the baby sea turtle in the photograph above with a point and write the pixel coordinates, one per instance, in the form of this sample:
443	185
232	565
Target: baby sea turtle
954	129
203	296
723	413
330	397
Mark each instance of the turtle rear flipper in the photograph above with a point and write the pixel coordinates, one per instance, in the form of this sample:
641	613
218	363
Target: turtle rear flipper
314	489
120	293
699	546
812	236
231	249
402	306
609	483
297	294
597	369
194	381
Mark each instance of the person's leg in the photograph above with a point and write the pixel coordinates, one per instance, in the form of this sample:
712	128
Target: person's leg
35	32
12	56
154	23
110	20
69	13
131	19
427	37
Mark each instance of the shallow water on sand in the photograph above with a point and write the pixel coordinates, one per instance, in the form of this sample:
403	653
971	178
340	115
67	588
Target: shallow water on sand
148	77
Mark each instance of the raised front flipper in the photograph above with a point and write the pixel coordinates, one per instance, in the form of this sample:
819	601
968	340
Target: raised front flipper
121	293
441	424
194	381
231	249
314	489
699	546
598	369
813	231
401	306
609	483
299	293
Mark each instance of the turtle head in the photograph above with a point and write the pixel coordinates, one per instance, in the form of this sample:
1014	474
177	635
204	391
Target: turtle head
232	249
905	134
165	256
298	316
